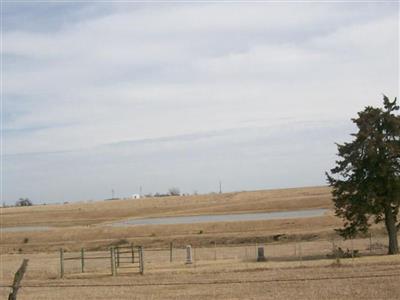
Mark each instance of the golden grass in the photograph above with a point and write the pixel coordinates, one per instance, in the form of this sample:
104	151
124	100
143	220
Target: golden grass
289	274
362	278
94	236
158	235
81	225
102	211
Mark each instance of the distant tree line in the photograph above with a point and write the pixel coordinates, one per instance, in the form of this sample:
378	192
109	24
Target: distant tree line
173	191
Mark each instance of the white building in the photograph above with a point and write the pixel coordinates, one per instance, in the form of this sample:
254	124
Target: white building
135	196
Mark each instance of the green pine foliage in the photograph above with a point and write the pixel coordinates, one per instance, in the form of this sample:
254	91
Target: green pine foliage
365	180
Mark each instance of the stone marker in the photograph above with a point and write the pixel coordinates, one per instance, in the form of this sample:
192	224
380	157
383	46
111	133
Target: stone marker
260	254
188	254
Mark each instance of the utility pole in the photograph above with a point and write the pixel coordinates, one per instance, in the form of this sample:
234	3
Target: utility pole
112	194
220	187
140	191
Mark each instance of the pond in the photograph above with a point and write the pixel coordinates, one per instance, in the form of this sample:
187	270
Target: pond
24	228
195	219
224	218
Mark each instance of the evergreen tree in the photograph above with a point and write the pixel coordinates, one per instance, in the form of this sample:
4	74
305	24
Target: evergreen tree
366	180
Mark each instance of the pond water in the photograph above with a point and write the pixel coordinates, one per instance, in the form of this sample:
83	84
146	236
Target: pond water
224	218
195	219
24	228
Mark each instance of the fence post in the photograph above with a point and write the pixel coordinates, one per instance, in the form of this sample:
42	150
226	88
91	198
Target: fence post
17	280
117	256
301	254
133	253
170	252
370	242
61	262
112	261
116	265
215	250
83	260
141	260
352	250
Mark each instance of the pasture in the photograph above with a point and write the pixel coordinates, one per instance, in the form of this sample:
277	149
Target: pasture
299	251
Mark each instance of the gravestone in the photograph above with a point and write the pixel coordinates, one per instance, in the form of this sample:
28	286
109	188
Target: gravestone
260	254
188	254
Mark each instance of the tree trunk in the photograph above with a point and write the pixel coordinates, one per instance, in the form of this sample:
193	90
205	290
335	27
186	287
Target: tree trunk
391	230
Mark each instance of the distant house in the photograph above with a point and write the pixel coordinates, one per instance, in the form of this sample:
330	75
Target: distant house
135	196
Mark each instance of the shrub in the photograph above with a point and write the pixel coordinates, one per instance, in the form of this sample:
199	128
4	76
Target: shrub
340	253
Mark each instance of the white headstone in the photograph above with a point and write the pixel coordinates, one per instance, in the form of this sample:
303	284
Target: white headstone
188	254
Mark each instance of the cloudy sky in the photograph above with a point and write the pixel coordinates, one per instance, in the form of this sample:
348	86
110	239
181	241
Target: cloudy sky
102	96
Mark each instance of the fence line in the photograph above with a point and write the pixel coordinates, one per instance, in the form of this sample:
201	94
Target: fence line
116	257
128	256
275	251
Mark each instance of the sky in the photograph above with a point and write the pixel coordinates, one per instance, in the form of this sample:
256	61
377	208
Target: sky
121	95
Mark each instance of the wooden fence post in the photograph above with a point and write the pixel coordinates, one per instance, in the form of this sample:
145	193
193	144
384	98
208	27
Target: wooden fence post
112	261
352	250
83	260
133	253
116	265
62	263
370	242
141	260
117	256
17	280
170	252
301	254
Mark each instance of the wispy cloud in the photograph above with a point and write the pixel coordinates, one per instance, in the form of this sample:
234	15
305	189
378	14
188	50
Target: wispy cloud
246	158
79	78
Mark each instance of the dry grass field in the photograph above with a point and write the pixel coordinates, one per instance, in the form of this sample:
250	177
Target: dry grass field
82	224
102	211
374	277
297	249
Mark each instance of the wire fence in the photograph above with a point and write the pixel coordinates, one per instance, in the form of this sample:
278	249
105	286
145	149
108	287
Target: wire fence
333	248
85	263
274	251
